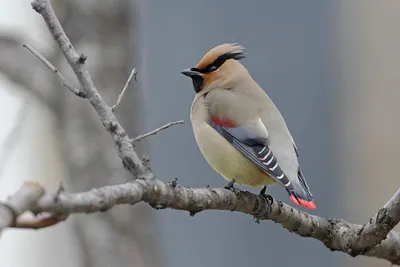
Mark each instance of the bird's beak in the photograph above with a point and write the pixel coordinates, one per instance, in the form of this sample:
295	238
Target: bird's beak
190	73
196	77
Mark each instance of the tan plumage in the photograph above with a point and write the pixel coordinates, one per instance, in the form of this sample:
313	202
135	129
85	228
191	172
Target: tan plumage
221	155
235	124
228	74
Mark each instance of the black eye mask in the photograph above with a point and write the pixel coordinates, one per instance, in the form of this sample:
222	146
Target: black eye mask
219	61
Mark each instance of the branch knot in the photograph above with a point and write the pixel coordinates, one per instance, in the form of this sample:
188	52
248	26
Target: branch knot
38	6
82	59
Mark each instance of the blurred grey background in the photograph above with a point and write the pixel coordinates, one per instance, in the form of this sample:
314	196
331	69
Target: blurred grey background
288	53
330	66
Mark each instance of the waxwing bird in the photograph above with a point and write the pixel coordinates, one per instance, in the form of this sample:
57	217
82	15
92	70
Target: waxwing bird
238	128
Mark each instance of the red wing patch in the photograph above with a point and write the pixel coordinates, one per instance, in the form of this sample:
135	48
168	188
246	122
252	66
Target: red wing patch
223	121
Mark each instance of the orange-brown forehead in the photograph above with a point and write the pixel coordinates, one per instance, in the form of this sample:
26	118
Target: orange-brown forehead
209	58
214	53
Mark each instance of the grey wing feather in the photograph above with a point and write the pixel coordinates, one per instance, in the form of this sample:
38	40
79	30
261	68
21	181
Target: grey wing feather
256	149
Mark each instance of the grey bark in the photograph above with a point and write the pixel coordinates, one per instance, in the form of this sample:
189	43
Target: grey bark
374	238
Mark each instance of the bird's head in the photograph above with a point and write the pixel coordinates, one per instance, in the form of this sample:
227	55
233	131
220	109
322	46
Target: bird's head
219	68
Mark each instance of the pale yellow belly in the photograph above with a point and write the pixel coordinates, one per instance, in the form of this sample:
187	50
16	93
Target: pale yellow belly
227	161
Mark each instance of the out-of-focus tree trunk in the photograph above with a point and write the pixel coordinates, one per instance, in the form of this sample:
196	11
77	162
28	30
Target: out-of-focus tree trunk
123	236
368	108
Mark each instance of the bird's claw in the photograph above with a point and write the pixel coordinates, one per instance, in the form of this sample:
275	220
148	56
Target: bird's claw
230	186
174	183
266	196
270	199
263	190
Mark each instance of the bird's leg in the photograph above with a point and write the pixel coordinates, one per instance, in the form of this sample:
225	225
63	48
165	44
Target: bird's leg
263	190
233	189
230	185
267	197
263	194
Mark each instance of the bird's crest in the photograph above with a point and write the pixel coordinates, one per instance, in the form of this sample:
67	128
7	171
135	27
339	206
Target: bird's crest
219	54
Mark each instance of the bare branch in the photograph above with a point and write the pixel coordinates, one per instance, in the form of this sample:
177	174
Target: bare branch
129	157
142	136
24	199
378	227
336	235
121	95
15	67
64	82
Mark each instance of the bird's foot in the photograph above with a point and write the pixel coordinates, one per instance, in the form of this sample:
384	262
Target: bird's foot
263	190
230	186
266	196
233	189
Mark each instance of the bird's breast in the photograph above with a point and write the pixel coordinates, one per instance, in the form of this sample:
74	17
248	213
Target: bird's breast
226	160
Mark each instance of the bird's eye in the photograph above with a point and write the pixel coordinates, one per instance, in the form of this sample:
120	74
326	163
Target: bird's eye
213	68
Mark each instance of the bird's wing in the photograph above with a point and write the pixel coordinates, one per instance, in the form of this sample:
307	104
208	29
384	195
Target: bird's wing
242	127
257	149
300	173
254	147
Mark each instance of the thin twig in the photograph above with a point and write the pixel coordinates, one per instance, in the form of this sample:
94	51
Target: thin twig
126	152
121	95
64	82
142	136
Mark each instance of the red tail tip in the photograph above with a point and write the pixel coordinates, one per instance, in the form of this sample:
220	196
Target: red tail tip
301	202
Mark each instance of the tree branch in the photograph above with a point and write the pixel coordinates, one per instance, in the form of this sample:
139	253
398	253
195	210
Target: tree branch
64	82
129	157
378	227
121	95
24	199
337	235
15	67
155	131
375	238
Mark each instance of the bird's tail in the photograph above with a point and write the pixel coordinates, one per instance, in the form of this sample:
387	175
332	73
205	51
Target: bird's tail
301	201
301	195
